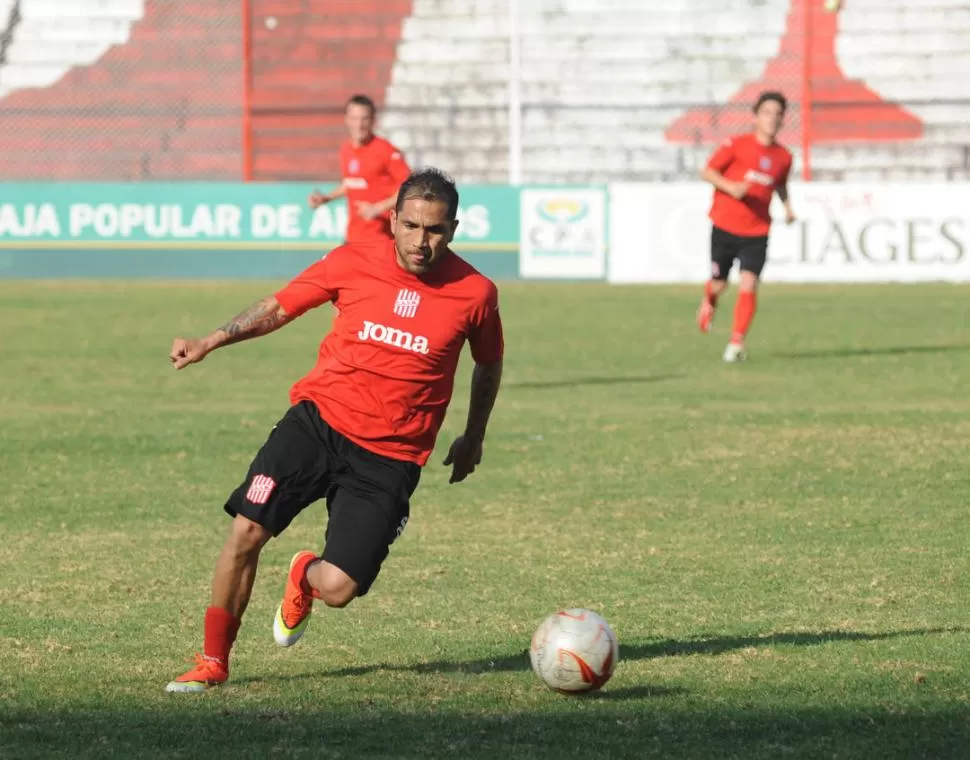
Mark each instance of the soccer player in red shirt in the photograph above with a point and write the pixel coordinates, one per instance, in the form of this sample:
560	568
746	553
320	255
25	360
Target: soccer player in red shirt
372	170
745	171
363	422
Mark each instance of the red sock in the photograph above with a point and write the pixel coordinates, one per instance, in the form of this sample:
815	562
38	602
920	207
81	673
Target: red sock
709	293
743	314
305	586
220	633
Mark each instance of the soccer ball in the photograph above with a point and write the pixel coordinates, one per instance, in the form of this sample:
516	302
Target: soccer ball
574	651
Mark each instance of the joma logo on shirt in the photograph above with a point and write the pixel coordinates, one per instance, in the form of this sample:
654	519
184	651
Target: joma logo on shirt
391	336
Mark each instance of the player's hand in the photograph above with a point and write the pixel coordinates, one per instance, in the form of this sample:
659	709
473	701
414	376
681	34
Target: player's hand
464	456
186	351
318	199
368	211
738	190
789	216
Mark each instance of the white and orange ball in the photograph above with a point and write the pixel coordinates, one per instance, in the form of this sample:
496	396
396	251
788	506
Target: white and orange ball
574	651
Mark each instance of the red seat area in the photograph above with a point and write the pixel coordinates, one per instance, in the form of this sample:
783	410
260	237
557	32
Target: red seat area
305	67
169	104
165	105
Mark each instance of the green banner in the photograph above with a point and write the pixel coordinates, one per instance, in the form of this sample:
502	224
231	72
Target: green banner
240	230
215	216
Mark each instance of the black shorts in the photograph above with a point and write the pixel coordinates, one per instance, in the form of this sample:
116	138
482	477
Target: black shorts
752	252
368	495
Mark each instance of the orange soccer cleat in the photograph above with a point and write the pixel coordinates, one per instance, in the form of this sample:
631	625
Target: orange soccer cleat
293	614
705	314
208	672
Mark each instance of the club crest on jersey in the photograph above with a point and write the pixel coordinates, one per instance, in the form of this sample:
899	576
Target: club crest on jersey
391	336
353	167
765	164
406	304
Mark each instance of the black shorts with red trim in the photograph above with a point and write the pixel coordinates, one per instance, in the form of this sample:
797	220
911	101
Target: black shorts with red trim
726	248
367	495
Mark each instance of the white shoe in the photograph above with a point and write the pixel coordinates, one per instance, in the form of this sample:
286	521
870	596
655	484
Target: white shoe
735	353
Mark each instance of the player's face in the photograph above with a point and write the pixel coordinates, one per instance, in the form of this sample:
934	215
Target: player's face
360	123
769	118
422	233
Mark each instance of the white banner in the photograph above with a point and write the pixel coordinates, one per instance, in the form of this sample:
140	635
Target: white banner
844	233
563	234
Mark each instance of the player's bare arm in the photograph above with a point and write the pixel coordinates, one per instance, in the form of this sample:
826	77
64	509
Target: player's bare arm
373	210
736	190
466	452
318	199
262	318
782	191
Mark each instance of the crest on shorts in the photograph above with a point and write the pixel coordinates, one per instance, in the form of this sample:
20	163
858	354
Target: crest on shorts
260	489
765	163
407	303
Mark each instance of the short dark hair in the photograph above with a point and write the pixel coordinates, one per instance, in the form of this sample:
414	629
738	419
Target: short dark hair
769	95
429	184
361	100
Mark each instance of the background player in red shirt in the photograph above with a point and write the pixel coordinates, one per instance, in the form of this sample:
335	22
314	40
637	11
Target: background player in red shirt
372	171
745	171
363	422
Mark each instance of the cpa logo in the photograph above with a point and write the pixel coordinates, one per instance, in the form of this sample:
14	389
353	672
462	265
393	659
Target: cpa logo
562	210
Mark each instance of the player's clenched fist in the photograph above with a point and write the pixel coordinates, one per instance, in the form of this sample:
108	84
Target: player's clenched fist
738	190
186	351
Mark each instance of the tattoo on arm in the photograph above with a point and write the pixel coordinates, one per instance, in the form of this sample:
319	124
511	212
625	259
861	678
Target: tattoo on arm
486	380
262	318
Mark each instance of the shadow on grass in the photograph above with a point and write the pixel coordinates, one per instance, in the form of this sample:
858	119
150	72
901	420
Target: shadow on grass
649	650
223	725
845	353
721	644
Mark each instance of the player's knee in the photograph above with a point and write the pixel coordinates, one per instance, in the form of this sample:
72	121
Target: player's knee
338	593
334	587
339	599
748	281
246	536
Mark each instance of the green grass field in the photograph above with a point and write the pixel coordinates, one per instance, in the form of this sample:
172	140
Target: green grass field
780	546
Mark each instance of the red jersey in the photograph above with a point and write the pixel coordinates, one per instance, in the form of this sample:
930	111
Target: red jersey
385	372
371	172
764	167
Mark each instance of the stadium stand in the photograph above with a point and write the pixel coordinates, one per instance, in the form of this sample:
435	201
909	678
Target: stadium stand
611	89
619	88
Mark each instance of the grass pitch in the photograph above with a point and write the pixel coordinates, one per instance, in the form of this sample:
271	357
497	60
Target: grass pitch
780	546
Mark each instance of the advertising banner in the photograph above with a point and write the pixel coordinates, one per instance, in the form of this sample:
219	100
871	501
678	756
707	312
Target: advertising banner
844	233
159	229
563	233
